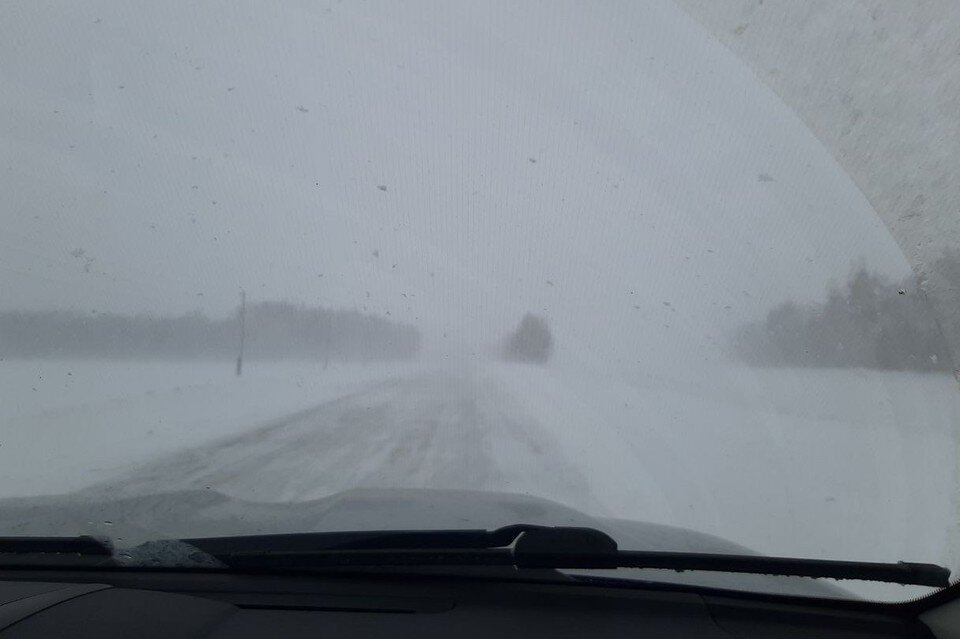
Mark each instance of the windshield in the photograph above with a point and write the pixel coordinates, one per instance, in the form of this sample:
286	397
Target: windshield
686	272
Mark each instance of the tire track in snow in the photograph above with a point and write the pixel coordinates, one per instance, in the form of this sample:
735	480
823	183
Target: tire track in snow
430	431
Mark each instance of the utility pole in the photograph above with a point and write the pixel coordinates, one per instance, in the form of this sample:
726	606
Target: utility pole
243	329
326	340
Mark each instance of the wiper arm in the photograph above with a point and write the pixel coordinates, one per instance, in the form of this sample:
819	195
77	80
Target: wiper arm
526	546
365	539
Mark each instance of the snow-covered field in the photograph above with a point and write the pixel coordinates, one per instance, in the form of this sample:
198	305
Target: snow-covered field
761	457
67	425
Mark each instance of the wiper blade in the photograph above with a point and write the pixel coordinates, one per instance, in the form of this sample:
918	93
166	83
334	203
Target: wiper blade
904	573
86	551
526	546
82	545
36	552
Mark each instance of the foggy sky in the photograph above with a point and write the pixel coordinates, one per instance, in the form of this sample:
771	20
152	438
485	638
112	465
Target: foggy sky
612	167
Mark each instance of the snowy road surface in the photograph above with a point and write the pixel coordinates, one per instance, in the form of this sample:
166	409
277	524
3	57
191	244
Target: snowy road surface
816	463
432	430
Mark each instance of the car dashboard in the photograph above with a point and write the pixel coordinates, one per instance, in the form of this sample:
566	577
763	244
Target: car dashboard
101	604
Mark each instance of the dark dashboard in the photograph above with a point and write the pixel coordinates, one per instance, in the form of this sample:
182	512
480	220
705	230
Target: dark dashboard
103	604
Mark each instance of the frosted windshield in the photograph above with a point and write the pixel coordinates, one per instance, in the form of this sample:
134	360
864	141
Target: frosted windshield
646	261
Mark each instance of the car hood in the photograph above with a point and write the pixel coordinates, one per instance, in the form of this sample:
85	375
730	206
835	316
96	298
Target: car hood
130	521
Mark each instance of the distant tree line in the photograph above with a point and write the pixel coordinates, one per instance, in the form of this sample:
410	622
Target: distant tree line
868	322
274	330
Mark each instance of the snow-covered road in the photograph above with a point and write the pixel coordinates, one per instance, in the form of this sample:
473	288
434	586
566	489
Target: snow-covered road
431	430
760	457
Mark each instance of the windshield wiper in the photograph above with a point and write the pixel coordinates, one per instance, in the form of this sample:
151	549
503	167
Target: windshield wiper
364	539
33	552
82	545
527	546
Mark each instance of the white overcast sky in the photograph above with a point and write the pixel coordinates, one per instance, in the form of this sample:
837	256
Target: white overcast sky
609	165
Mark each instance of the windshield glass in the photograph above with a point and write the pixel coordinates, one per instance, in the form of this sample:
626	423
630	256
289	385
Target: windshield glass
686	272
